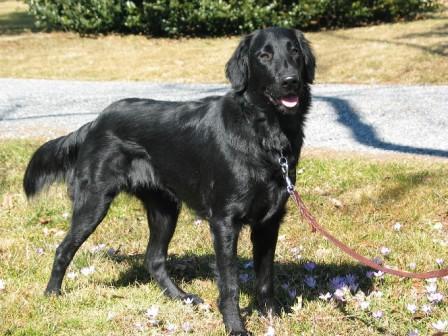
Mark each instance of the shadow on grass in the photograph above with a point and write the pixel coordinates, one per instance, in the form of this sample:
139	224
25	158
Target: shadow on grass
289	277
401	185
439	48
16	23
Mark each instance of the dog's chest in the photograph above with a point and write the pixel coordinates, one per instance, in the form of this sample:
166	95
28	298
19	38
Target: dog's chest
266	196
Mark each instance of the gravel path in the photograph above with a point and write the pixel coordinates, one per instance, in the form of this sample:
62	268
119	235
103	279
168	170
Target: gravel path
402	119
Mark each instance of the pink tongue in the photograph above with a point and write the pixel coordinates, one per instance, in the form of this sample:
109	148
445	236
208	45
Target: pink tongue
290	101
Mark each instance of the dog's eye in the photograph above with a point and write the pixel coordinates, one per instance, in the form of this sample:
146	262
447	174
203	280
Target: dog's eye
265	56
294	51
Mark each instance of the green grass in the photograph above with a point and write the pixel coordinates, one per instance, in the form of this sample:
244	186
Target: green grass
374	195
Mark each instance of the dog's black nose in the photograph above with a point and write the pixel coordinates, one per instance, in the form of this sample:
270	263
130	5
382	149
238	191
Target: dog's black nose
289	82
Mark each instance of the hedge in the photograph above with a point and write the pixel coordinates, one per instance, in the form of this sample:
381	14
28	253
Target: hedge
217	17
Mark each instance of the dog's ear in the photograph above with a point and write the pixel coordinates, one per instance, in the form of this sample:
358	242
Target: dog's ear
310	60
237	68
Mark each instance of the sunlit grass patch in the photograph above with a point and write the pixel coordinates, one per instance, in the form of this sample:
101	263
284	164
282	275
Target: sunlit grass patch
108	292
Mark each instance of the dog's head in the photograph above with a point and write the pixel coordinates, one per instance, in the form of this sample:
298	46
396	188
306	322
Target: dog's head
272	66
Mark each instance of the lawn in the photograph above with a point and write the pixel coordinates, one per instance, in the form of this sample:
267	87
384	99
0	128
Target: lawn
393	208
360	199
405	52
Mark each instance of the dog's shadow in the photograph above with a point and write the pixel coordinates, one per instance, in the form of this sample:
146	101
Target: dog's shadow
292	280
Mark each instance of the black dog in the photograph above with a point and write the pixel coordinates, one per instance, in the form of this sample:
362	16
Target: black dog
219	155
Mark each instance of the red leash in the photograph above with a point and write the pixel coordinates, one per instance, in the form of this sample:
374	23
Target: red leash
315	226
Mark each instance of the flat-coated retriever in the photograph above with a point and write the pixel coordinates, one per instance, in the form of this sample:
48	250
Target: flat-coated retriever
219	155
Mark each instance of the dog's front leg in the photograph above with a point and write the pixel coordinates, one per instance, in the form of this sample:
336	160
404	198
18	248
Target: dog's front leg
225	238
264	240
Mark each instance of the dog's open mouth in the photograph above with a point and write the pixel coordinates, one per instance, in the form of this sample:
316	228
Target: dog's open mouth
289	101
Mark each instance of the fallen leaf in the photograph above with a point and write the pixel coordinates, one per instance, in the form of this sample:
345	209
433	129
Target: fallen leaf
44	221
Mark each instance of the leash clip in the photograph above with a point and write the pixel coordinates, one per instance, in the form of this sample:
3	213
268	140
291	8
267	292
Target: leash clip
283	161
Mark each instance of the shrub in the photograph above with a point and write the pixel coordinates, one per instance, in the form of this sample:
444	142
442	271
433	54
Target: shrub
217	17
85	16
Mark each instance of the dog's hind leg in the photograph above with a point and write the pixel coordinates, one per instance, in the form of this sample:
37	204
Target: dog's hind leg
88	212
163	211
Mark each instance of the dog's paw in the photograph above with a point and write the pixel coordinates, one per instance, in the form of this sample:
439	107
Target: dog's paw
52	292
240	333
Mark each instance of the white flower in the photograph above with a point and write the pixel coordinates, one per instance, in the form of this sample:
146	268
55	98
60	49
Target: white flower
86	271
170	327
65	215
2	284
376	294
431	288
309	266
152	312
72	275
249	264
325	297
378	274
296	250
440	261
198	221
377	314
413	333
310	281
435	297
187	327
437	226
397	226
188	301
97	248
281	238
139	326
40	251
412	266
205	307
111	315
442	242
411	307
440	325
385	251
364	305
339	294
153	322
360	296
426	309
270	331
